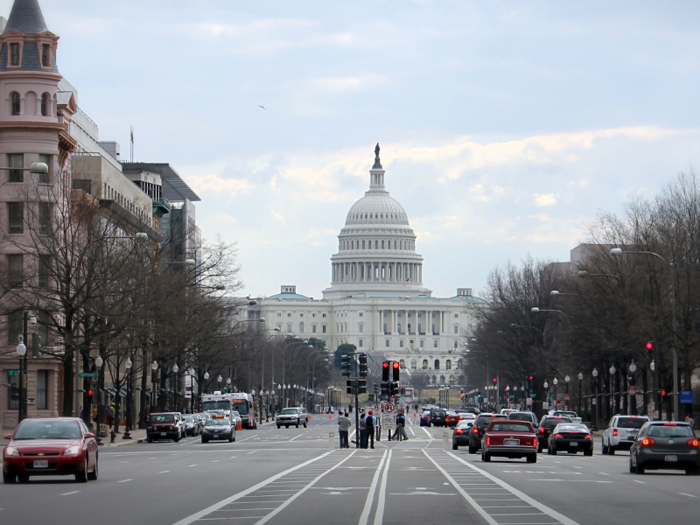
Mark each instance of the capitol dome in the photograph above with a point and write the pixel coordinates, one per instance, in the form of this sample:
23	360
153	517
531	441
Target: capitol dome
376	249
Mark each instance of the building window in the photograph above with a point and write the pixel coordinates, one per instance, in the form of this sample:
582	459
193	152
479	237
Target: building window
44	217
387	343
402	364
42	383
435	343
44	104
15	326
456	329
456	316
452	380
313	315
456	344
436	365
289	328
44	177
398	327
301	328
14	54
43	270
360	314
301	315
16	213
313	328
16	161
279	314
425	364
448	365
323	329
14	98
15	272
422	343
359	343
414	364
360	327
401	343
324	315
289	315
12	381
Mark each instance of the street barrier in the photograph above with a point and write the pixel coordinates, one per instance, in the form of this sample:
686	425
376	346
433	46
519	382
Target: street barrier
445	440
331	441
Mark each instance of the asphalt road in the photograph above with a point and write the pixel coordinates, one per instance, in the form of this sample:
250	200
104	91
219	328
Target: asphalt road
288	476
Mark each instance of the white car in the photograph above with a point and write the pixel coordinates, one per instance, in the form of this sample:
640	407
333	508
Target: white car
236	419
575	418
621	432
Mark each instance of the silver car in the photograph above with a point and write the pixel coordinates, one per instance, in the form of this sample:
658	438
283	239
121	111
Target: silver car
292	416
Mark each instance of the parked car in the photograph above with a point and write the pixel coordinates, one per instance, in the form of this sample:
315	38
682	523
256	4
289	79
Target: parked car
236	419
165	425
663	445
191	425
479	428
545	428
219	427
523	416
571	438
510	439
292	416
460	435
50	447
621	432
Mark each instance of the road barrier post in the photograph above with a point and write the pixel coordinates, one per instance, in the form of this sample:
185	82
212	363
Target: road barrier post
331	441
445	440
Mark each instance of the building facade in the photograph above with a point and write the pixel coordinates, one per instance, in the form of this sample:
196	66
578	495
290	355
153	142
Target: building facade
376	300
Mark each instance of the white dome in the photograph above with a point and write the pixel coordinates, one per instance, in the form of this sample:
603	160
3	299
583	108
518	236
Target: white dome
377	209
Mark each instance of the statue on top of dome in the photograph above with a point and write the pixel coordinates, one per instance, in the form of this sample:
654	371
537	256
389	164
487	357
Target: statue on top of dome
377	163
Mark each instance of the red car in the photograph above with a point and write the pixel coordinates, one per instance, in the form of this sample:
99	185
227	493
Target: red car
50	447
510	439
452	419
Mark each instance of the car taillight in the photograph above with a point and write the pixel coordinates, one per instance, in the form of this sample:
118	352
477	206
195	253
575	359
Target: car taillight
558	436
488	441
534	442
670	424
541	430
587	436
458	431
648	442
693	442
476	430
614	432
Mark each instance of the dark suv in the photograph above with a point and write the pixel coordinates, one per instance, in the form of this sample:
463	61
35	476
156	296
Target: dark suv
165	425
479	428
438	417
547	424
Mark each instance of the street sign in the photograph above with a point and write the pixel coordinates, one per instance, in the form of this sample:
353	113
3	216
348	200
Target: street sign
533	395
593	401
632	390
567	397
11	373
388	420
376	407
389	408
686	397
87	374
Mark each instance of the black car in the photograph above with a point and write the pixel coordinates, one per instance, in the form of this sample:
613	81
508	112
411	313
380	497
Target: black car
571	438
219	428
547	424
438	417
478	429
663	445
460	435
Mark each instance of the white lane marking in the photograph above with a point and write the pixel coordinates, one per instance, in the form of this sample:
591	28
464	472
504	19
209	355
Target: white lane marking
370	495
429	434
603	473
68	493
412	432
299	493
381	500
193	465
215	461
163	472
689	495
253	452
125	480
637	481
232	457
216	506
122	462
245	439
295	437
551	512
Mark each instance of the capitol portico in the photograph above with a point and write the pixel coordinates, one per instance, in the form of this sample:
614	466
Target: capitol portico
376	300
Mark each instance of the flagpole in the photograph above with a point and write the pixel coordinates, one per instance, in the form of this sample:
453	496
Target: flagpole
132	144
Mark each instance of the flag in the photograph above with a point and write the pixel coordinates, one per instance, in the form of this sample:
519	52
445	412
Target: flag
406	282
132	135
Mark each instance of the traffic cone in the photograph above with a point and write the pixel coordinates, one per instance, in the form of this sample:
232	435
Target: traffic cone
239	426
330	416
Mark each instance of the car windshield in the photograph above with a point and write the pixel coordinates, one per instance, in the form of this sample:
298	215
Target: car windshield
670	431
510	427
217	405
628	422
235	414
483	422
554	421
189	419
162	418
520	416
465	423
289	411
568	414
48	430
241	406
223	422
572	428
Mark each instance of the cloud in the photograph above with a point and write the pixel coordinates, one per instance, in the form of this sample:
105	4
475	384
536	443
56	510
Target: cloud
545	200
279	217
215	184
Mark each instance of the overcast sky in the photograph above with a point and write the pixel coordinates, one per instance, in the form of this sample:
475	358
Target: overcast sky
505	126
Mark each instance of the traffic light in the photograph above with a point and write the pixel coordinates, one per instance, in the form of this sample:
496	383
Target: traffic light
402	391
361	386
386	365
89	395
362	360
375	388
396	370
394	389
346	365
495	380
650	350
663	395
386	391
14	393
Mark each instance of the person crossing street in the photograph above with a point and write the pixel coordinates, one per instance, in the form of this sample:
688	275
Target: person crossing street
344	424
369	426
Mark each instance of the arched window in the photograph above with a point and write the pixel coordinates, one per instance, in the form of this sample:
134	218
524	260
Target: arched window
442	380
45	104
425	364
289	328
301	328
14	97
402	364
437	364
448	364
452	380
433	379
413	364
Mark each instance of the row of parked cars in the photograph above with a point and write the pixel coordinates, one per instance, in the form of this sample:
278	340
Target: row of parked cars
211	425
653	445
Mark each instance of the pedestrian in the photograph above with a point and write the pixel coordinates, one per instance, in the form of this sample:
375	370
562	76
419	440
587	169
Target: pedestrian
369	426
344	424
400	432
110	415
363	431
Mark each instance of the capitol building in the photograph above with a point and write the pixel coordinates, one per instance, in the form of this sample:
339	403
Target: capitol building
376	300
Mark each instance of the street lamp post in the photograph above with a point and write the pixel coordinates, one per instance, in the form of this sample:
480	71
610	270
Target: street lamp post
176	389
595	400
580	405
555	382
100	404
618	252
632	406
613	404
22	355
546	391
127	429
566	396
653	390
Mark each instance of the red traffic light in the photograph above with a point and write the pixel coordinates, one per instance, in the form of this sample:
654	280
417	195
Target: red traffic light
397	364
663	393
89	392
495	380
530	378
650	347
385	364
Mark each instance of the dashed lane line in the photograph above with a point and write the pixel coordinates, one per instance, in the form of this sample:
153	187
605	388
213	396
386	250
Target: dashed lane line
381	501
68	493
364	517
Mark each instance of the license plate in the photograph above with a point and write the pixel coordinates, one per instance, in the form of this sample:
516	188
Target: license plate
670	458
163	433
41	463
511	442
573	444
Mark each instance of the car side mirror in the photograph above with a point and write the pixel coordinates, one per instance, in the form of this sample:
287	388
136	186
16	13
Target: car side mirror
89	435
8	436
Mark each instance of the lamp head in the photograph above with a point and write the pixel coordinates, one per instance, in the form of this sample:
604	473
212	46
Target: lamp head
99	362
616	252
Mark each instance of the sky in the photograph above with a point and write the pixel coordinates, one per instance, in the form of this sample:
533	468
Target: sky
505	127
